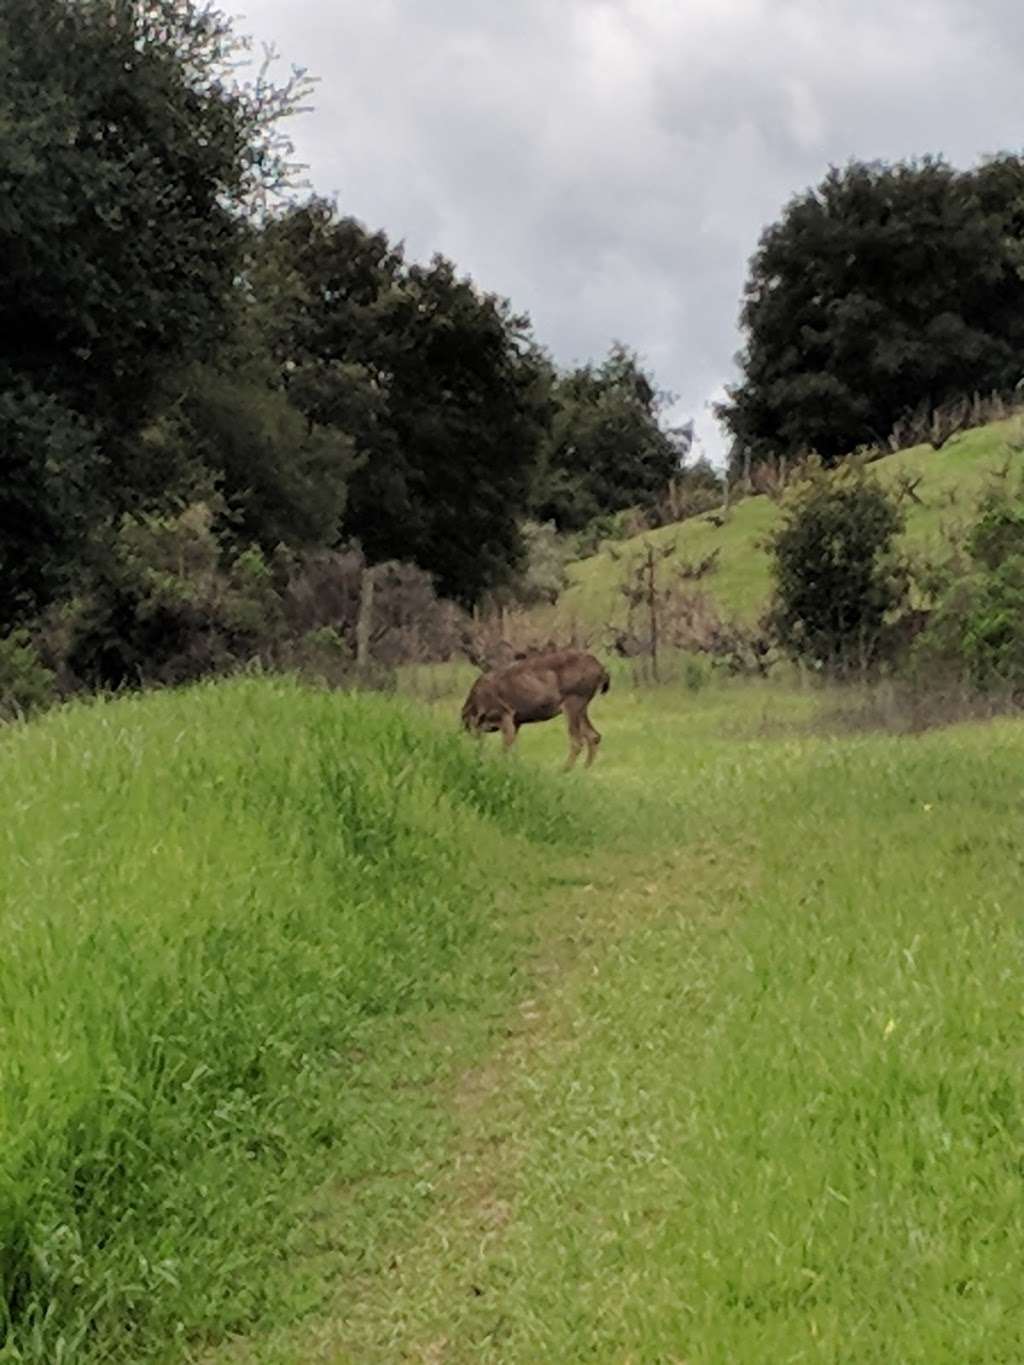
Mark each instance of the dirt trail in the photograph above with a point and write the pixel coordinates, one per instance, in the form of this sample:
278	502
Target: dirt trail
429	1306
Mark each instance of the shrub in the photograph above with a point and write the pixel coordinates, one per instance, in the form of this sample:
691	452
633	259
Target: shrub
837	581
410	622
26	685
51	470
998	533
161	608
976	630
695	489
323	656
543	576
609	526
171	600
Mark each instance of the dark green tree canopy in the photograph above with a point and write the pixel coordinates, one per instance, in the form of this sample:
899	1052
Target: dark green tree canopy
51	471
882	289
129	157
172	340
125	157
440	386
607	450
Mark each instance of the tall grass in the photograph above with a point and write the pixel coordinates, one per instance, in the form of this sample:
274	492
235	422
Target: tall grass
206	899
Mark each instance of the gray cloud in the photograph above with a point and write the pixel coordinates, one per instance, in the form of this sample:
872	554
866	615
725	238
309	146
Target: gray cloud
608	164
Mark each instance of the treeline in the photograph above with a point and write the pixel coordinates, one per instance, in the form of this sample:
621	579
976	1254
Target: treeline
206	390
885	295
219	405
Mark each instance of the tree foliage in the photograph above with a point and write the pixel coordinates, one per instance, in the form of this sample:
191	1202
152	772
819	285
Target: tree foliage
127	157
607	449
440	386
283	480
51	471
26	684
836	580
198	383
884	288
161	605
975	627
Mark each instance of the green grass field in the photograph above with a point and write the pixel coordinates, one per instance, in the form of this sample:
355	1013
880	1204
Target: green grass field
325	1041
950	480
228	915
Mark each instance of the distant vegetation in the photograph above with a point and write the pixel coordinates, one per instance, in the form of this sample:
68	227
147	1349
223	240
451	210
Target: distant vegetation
212	391
240	426
886	292
724	592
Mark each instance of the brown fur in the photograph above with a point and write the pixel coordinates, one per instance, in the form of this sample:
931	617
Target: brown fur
535	689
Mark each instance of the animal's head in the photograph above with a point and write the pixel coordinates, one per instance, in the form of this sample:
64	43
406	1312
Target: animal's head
478	717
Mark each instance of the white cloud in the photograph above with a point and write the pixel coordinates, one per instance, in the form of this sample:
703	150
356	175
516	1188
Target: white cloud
609	164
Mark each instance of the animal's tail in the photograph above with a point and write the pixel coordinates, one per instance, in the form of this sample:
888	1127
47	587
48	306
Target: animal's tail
606	681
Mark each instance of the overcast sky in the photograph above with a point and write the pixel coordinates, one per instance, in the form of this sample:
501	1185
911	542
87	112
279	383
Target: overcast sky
608	164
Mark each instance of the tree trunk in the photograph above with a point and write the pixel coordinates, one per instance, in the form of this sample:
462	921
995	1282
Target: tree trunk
364	625
652	607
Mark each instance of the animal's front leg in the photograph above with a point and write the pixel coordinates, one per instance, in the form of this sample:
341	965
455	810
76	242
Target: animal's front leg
509	729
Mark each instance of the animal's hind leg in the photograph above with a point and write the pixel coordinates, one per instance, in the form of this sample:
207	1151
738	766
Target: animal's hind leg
591	735
573	718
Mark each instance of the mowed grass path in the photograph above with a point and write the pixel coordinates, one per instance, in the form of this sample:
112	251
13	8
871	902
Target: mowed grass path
764	1098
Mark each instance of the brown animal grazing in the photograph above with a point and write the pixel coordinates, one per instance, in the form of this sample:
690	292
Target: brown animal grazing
536	689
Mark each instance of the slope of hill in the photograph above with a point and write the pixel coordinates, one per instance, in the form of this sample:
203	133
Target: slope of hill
950	481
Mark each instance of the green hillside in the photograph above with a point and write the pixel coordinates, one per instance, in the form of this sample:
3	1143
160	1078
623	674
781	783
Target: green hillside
950	479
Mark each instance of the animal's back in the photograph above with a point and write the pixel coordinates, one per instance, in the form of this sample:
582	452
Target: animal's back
573	671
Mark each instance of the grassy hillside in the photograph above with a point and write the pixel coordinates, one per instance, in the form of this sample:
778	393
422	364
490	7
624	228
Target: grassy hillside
227	916
951	478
